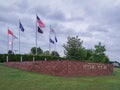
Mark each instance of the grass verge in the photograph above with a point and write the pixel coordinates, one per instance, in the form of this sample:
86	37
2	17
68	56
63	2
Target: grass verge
16	79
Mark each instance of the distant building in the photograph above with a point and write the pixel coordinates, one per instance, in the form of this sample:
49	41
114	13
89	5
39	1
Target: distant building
115	63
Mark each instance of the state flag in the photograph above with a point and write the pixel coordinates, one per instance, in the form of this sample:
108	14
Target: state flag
55	38
39	30
10	32
21	27
51	41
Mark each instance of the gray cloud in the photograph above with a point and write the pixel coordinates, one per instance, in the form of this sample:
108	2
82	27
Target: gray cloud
79	19
57	15
97	28
10	18
40	10
111	15
21	5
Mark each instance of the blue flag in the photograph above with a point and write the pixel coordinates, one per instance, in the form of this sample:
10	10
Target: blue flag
52	31
51	41
55	38
39	30
21	27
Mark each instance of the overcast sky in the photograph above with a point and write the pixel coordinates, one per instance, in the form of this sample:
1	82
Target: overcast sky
92	20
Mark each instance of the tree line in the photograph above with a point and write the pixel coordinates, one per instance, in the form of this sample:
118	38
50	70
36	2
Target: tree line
74	50
41	52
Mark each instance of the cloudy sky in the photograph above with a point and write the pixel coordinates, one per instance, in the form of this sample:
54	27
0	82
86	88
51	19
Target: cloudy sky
92	20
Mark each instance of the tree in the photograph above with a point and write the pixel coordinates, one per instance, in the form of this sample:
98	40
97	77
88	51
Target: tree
10	52
89	52
74	48
81	54
46	53
39	50
99	55
100	49
55	53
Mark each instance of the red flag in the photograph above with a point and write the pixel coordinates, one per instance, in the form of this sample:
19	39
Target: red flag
41	24
10	32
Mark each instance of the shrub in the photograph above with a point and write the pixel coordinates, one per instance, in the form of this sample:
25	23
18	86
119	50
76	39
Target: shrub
26	57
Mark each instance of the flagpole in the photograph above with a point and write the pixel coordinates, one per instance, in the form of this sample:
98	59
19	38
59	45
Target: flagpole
55	41
36	34
12	44
8	42
49	40
55	45
19	37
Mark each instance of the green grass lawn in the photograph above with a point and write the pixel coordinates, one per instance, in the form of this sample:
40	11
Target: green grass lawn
16	79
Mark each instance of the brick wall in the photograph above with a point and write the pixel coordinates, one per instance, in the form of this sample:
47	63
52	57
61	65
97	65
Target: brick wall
65	68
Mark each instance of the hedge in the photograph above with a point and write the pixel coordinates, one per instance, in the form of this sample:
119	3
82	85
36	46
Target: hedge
26	57
29	57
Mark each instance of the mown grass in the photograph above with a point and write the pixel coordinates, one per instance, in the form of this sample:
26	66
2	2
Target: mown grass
16	79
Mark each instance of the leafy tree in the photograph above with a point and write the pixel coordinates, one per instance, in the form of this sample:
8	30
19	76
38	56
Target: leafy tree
100	49
99	58
10	52
99	55
89	52
46	53
74	48
39	50
55	53
81	54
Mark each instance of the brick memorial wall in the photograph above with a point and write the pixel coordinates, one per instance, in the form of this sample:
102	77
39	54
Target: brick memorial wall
65	68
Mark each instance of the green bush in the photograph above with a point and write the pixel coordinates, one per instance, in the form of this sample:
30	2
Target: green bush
26	57
29	57
2	58
99	58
